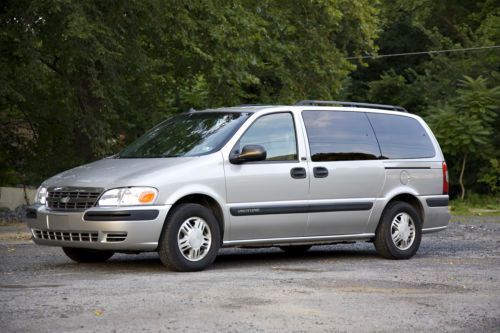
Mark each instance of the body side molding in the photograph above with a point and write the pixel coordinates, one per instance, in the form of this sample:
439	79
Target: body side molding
300	208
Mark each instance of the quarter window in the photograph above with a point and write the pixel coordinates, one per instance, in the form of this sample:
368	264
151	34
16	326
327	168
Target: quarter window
401	136
340	136
276	133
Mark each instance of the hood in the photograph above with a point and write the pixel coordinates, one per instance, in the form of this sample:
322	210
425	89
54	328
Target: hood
112	172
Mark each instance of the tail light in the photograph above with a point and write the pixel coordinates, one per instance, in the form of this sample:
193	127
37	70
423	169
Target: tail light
446	184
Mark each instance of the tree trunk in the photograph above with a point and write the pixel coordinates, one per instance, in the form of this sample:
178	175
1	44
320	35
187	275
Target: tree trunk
461	178
26	198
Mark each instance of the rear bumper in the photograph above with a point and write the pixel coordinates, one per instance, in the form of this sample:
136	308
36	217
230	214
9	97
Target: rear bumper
118	229
436	213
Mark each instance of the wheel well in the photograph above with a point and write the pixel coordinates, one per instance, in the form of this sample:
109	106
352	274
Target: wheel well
207	202
412	200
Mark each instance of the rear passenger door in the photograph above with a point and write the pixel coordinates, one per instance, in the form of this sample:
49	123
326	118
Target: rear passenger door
346	173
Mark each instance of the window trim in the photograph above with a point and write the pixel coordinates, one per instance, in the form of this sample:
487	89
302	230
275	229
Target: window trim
310	156
266	161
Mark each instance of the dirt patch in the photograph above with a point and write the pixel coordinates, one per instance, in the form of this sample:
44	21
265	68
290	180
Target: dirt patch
14	232
17	237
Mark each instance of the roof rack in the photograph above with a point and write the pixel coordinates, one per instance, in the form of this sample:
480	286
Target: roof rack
353	104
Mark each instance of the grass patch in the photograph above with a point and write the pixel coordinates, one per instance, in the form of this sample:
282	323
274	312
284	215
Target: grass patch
476	205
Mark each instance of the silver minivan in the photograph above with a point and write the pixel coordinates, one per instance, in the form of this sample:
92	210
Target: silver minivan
318	172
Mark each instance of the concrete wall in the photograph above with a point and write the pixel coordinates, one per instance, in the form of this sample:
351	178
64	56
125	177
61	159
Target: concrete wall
13	197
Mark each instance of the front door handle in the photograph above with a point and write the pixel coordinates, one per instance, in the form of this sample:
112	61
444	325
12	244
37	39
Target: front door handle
320	172
298	173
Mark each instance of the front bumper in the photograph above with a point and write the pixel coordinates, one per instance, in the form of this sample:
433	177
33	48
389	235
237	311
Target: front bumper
118	229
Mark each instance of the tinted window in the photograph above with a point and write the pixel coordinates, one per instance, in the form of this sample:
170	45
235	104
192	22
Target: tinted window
190	134
401	137
340	136
276	133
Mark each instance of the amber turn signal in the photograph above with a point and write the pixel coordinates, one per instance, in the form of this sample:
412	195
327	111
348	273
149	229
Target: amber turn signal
147	197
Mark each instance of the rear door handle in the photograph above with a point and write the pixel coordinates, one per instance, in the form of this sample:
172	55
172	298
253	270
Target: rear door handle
320	172
298	173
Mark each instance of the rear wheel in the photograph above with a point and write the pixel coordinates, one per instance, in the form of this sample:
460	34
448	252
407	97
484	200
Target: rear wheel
295	249
190	239
399	232
87	255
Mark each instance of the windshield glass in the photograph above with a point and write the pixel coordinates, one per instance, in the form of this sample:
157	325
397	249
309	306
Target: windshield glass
189	134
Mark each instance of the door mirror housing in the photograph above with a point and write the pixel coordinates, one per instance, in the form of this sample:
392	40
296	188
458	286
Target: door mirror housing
249	153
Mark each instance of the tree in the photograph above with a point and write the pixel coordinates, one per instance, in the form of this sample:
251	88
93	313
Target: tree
426	82
80	79
465	126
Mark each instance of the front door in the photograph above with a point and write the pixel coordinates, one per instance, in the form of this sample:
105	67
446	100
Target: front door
346	172
268	199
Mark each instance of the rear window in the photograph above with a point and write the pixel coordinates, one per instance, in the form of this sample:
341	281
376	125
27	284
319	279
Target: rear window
340	136
401	137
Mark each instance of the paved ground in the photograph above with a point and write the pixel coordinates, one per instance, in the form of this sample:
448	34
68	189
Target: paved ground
452	284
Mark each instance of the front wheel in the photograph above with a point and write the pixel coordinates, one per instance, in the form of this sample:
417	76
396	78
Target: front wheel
190	239
399	232
87	255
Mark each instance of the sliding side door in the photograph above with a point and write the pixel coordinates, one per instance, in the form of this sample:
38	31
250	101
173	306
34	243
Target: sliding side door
346	172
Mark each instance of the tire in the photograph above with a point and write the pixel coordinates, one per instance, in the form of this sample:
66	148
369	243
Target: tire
406	240
194	228
87	255
295	249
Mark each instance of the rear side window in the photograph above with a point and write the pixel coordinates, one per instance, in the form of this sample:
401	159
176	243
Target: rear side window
401	137
340	136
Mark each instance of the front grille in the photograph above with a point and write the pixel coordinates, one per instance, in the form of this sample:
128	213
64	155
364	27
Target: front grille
72	198
91	236
116	237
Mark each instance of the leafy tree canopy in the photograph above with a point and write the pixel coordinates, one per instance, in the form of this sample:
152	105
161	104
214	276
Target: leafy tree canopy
81	79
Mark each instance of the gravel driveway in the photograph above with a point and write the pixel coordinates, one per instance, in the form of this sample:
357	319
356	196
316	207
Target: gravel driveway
452	284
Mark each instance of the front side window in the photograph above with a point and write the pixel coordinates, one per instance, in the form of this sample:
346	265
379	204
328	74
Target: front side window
340	136
274	132
189	134
401	136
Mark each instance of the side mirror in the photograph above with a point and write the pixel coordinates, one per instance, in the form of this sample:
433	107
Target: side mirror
249	153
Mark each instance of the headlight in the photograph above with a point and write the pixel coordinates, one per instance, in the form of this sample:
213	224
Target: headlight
129	196
41	195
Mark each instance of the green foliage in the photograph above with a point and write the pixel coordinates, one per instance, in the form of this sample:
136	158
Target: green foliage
475	204
491	176
466	124
464	127
80	79
458	132
456	92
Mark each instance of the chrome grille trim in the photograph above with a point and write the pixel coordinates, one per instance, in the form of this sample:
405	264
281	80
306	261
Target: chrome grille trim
72	198
66	236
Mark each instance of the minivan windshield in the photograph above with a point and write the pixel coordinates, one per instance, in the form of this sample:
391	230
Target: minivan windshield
189	134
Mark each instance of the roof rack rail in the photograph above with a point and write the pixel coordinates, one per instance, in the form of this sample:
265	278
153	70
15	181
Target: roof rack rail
353	104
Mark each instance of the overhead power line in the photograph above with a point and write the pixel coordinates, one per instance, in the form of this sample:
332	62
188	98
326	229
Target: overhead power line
425	52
